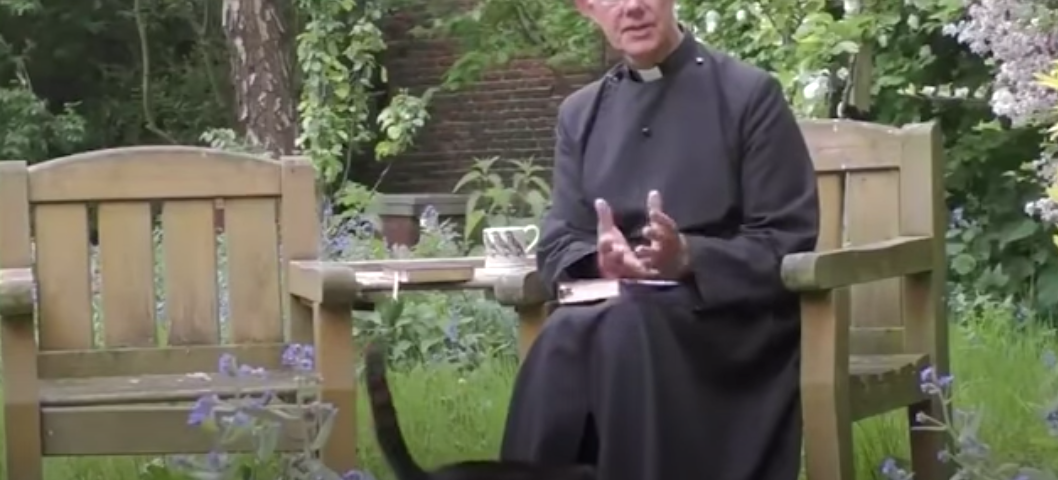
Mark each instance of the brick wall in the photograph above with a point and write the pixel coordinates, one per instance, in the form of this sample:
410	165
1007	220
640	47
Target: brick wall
509	113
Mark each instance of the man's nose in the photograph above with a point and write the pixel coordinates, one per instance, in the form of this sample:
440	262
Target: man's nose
633	7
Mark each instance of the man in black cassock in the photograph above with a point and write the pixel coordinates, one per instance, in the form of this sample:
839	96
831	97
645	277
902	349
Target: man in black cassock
698	381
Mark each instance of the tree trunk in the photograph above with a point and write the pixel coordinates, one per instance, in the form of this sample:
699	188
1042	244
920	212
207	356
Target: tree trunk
260	72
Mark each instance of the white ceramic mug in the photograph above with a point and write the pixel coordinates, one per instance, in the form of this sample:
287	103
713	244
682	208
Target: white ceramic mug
509	247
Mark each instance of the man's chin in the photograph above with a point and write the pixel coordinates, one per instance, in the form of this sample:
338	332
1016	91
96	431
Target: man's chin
640	49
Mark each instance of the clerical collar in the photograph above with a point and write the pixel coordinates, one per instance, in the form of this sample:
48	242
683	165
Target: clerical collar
684	53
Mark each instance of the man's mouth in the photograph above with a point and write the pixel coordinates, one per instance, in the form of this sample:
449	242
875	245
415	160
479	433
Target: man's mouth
636	28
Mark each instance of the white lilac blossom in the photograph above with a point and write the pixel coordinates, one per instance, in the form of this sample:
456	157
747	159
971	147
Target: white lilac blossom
913	21
712	20
852	7
816	88
1017	35
1045	209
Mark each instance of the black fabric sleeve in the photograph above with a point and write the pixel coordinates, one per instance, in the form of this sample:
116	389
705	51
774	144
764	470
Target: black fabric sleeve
568	237
780	208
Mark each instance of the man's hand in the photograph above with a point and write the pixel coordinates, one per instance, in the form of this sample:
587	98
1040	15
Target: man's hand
667	253
616	259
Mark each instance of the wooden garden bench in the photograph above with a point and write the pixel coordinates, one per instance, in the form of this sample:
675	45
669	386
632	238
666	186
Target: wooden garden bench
873	310
66	394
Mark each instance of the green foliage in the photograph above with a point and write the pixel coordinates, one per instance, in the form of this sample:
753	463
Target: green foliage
227	139
28	129
337	53
30	132
496	201
105	58
493	32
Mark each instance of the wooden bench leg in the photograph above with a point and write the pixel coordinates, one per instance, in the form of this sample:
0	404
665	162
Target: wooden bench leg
336	363
21	401
927	445
828	439
926	330
530	321
824	386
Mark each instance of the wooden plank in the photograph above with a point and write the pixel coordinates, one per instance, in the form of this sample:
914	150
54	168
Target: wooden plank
876	340
142	389
405	263
825	385
153	361
845	145
18	343
189	240
923	211
126	266
63	276
855	266
153	172
134	430
883	383
433	274
873	215
253	270
299	238
831	188
336	361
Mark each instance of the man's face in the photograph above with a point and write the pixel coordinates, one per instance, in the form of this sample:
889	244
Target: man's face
637	28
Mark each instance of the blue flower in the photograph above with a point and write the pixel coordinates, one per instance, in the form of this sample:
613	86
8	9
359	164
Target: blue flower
216	461
357	475
240	419
202	410
1051	419
931	383
299	357
227	365
892	471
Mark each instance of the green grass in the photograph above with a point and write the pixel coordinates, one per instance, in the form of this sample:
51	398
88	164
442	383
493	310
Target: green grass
449	417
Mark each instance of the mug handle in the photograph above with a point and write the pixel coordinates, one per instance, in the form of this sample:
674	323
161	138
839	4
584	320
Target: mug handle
536	238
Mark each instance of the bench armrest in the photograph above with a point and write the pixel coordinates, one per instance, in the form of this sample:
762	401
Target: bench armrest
855	265
16	292
520	289
324	283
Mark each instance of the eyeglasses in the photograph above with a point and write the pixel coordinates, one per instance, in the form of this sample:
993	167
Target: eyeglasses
609	3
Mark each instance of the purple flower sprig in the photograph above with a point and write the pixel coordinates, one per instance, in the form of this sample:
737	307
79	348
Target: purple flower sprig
262	419
968	453
299	357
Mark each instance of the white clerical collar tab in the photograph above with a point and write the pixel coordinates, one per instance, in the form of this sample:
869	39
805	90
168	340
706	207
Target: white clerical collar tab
650	74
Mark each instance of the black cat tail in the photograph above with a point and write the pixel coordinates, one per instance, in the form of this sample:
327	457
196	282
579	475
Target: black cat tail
387	427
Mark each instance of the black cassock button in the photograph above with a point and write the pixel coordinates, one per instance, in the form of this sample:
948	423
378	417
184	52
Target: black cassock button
646	131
